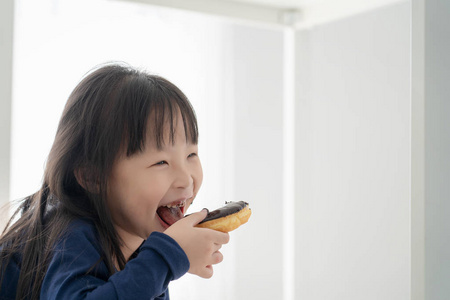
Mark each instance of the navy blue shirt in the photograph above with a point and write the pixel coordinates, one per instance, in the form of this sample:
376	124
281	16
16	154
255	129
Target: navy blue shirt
77	272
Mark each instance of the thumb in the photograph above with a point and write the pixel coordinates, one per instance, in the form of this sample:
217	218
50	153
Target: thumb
195	218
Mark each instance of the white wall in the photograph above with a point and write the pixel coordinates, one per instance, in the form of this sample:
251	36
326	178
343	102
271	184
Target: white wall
6	58
258	160
233	75
56	42
437	149
353	144
353	157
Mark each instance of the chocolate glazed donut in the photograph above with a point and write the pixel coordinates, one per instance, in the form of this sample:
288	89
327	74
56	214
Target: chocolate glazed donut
228	217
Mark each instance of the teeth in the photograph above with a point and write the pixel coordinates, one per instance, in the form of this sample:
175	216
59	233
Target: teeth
182	204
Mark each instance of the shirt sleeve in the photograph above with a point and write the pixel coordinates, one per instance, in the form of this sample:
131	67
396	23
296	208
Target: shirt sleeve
76	270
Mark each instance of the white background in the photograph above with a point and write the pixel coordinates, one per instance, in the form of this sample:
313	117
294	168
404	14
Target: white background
353	158
351	205
57	42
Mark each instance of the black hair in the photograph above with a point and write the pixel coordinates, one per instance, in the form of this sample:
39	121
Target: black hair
105	116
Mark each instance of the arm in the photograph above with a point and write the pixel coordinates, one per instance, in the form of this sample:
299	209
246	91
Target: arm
147	276
201	245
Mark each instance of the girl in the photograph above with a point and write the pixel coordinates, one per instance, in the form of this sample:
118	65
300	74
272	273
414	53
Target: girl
108	221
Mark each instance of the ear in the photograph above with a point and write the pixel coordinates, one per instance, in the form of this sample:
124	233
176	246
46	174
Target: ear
87	180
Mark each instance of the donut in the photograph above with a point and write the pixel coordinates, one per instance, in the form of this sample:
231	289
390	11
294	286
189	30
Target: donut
228	217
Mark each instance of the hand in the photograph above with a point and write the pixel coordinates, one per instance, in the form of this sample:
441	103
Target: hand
201	245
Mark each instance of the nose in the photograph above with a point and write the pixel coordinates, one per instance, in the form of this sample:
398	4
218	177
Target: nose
183	178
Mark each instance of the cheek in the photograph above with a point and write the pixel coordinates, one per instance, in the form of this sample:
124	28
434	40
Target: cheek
140	192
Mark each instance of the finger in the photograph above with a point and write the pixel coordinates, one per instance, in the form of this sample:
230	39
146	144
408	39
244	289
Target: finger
217	257
207	272
222	238
195	218
217	247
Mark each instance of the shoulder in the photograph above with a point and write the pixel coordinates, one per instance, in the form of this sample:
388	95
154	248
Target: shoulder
80	236
76	265
77	250
79	229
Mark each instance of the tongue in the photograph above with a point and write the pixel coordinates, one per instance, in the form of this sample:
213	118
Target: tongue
170	215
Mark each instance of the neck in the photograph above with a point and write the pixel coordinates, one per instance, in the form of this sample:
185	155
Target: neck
130	243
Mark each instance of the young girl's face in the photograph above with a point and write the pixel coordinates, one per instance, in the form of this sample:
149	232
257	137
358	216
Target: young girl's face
141	187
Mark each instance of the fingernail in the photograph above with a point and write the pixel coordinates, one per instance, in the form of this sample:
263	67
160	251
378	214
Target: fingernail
207	210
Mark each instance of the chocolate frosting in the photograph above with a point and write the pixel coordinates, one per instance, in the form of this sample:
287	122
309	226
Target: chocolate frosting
228	209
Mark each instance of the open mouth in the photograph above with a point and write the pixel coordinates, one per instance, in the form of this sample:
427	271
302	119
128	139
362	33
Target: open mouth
171	213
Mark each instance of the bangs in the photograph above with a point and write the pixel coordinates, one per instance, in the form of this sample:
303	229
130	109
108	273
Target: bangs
153	103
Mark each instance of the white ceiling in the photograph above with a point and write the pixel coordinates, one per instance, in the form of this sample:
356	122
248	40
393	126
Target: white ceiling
304	4
296	13
287	4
